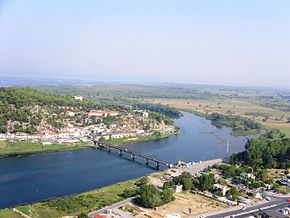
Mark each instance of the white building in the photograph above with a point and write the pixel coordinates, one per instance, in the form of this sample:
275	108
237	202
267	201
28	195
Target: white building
80	98
103	113
69	113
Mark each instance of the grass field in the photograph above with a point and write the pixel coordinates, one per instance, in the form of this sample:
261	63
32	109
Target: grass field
22	148
73	205
269	117
198	204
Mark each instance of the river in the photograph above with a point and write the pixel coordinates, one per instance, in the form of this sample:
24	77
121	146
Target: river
37	177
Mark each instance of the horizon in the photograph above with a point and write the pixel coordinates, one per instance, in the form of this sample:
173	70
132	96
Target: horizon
239	43
51	81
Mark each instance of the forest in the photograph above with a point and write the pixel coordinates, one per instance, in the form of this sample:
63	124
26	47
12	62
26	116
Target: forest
168	111
237	123
269	151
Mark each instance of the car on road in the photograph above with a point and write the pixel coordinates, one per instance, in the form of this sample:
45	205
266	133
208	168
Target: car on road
267	198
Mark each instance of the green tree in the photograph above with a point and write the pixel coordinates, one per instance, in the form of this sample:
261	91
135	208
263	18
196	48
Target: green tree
186	184
149	196
234	193
262	174
167	195
168	185
206	182
185	179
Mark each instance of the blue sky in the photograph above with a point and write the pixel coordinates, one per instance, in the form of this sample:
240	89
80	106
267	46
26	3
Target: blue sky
238	42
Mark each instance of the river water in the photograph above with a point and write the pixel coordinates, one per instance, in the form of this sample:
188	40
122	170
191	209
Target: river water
37	177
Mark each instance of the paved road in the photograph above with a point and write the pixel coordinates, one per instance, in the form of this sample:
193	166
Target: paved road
274	203
197	167
112	207
256	212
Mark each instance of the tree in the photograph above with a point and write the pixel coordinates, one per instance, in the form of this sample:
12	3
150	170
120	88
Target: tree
156	134
186	184
185	179
167	185
262	174
82	215
272	150
167	195
206	182
143	181
234	193
149	196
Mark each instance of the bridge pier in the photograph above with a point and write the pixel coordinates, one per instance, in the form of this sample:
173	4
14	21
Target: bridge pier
133	156
157	165
120	152
146	161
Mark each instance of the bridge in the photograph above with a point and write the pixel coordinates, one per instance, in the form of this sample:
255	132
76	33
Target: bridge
132	155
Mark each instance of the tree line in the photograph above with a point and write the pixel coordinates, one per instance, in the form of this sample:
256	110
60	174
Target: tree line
166	110
237	123
272	150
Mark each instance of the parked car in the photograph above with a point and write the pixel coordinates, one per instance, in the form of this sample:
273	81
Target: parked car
282	182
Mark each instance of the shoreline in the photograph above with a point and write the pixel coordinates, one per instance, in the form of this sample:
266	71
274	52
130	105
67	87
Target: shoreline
139	140
234	132
130	141
113	191
39	148
75	146
42	152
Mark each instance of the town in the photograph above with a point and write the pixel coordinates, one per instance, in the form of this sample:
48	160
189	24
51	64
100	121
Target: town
206	189
81	126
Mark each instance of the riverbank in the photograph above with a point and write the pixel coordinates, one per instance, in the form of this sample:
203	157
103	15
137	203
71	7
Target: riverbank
236	123
269	116
12	149
41	177
76	205
133	140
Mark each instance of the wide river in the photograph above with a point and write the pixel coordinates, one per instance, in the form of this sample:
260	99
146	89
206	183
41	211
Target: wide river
41	176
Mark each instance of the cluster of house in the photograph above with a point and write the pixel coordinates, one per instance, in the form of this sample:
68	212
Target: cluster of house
95	113
221	192
75	133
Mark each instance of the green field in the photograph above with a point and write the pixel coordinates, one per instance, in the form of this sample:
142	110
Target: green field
74	205
22	148
284	130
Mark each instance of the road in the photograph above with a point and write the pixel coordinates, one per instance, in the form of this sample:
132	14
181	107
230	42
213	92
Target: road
200	166
112	207
275	203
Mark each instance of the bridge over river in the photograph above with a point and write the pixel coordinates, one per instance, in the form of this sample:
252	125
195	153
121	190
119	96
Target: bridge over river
133	155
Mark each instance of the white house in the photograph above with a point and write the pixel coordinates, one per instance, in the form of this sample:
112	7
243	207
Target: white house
103	113
177	188
80	98
69	113
246	176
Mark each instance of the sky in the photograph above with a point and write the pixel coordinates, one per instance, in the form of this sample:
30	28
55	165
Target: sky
233	42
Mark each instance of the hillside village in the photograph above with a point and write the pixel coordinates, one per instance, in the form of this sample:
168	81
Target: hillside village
75	121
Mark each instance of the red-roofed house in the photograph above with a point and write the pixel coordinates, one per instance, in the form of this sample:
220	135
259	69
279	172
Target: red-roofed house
103	113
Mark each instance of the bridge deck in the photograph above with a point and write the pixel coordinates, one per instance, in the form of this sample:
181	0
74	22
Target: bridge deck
135	154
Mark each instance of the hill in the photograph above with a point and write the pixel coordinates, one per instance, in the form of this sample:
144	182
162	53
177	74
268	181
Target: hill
28	110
